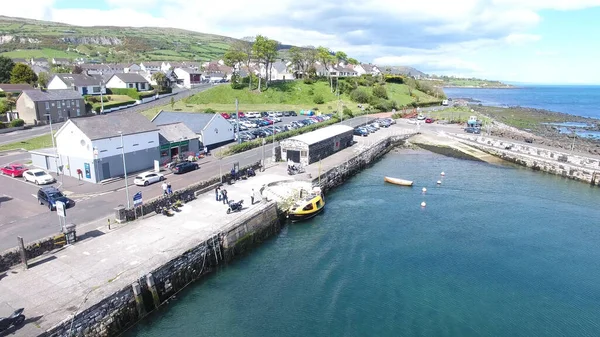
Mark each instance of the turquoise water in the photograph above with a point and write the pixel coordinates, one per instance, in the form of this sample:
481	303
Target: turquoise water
498	251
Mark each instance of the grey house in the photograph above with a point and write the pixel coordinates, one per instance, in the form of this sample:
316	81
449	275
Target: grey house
177	139
312	146
96	145
38	106
214	130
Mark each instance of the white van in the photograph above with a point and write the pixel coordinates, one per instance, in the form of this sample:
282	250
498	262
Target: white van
253	114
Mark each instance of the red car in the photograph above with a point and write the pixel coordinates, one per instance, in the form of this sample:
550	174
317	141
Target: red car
13	170
241	114
429	120
268	120
225	115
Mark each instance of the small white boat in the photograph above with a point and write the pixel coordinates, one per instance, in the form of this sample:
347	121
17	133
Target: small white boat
397	181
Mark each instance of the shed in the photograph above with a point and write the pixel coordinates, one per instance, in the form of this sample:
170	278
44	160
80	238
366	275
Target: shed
312	146
214	130
175	139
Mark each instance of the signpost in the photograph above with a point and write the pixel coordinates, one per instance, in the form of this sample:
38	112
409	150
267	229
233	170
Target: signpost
62	214
138	201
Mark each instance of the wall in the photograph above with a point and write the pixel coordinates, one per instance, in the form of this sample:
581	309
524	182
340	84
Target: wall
565	164
224	133
108	147
136	161
71	141
327	147
26	108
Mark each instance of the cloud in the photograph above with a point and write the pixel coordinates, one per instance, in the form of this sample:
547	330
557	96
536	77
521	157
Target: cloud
519	39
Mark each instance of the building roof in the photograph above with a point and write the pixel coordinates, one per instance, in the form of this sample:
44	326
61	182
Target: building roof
152	63
175	132
322	134
15	87
19	60
51	95
191	71
195	121
280	67
109	125
80	80
215	74
131	78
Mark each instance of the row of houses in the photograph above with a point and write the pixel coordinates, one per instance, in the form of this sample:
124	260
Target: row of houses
96	145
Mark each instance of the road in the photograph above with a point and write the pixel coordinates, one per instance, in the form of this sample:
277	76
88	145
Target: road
22	216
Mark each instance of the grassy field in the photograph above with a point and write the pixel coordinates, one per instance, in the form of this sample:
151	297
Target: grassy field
476	83
294	96
40	142
37	53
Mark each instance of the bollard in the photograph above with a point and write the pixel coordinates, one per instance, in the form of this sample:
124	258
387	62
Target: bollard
139	301
108	224
152	287
23	252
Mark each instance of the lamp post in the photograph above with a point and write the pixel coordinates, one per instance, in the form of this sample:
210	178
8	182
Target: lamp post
237	117
125	170
101	100
53	144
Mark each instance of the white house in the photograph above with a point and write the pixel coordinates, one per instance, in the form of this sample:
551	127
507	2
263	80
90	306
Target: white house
188	77
214	77
84	84
214	130
93	145
280	71
150	67
132	68
366	69
128	81
61	61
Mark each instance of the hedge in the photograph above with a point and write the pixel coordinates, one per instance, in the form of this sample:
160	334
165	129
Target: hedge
133	93
113	105
147	94
17	123
279	136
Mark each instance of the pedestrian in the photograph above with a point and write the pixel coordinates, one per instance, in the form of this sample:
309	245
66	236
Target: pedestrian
233	173
169	190
206	151
79	174
217	192
225	200
252	197
164	187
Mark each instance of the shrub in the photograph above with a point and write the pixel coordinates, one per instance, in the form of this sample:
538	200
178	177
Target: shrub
2	125
3	108
397	115
380	91
394	79
146	94
112	105
308	80
133	93
311	91
348	112
360	95
17	123
318	99
210	111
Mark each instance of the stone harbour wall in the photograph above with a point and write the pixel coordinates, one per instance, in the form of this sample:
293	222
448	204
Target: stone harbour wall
126	307
568	165
12	257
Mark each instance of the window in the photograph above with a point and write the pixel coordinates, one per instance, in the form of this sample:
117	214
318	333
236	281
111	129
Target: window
68	104
185	148
308	207
58	104
47	105
77	103
78	113
303	153
130	85
96	89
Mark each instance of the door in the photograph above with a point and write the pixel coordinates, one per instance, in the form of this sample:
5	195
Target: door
84	90
293	156
105	170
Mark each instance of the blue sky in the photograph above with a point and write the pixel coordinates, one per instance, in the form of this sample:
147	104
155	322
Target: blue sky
534	41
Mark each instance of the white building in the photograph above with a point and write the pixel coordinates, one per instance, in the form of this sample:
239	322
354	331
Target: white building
214	130
187	77
151	67
82	83
128	81
93	145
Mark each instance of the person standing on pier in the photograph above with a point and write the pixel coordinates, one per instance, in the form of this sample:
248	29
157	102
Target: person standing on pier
225	200
217	193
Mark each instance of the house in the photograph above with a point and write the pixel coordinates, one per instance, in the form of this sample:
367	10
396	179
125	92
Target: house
214	130
41	62
60	61
313	146
94	69
280	71
214	77
132	68
177	139
15	88
150	67
20	60
116	68
39	106
82	83
366	69
346	71
97	145
40	69
128	81
188	77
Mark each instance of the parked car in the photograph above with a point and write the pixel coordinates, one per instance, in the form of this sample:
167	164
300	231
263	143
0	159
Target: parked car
241	114
264	114
384	123
361	132
269	120
50	195
147	178
37	176
253	114
185	167
471	129
370	128
248	124
225	115
391	120
428	120
293	113
13	170
259	133
286	114
279	113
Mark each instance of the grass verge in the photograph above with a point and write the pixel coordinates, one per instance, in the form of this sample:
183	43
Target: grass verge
35	143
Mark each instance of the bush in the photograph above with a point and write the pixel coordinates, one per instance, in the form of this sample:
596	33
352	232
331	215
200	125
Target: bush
133	93
394	79
318	99
348	112
380	91
17	123
112	105
360	95
146	94
2	125
308	80
210	111
3	108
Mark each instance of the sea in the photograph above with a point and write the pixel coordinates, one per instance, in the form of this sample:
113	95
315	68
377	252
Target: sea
575	100
496	251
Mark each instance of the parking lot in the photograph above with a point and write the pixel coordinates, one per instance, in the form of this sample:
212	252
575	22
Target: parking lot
280	123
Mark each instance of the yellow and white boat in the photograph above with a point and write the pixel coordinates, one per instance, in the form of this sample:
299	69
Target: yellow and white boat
306	208
397	181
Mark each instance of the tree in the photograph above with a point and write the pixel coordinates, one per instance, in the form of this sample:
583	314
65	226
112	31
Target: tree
380	91
60	70
77	70
234	57
43	79
22	73
161	80
326	59
341	56
265	52
353	61
10	101
6	66
303	59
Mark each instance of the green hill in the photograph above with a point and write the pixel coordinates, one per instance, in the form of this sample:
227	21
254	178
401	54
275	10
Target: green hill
296	95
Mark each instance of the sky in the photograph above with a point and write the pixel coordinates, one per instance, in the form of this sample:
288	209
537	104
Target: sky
531	41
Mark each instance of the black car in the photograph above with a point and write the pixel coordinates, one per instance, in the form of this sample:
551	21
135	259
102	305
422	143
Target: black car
185	167
50	195
293	113
473	130
264	114
259	133
361	132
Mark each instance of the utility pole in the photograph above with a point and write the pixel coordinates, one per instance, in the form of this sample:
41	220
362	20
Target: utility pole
125	170
101	100
49	115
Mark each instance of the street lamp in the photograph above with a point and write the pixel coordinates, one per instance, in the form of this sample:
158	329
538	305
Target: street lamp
53	144
125	170
101	100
